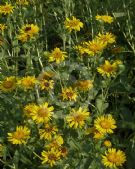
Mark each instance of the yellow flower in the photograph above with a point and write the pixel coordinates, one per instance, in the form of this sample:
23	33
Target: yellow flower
81	49
2	27
107	143
29	109
43	113
107	38
46	75
50	157
27	32
6	9
57	55
47	132
27	82
73	24
105	124
105	18
47	84
77	118
69	94
22	2
113	158
56	142
20	136
107	69
8	84
94	47
96	134
85	85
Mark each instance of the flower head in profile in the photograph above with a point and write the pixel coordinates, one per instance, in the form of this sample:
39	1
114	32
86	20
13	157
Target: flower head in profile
108	69
107	143
51	156
107	38
94	47
57	56
73	24
77	118
22	2
113	158
27	32
43	113
8	84
2	27
105	18
47	85
48	131
29	109
69	94
56	143
105	124
20	136
27	82
84	85
6	9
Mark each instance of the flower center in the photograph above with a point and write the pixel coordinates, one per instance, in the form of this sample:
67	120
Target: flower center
108	68
112	157
105	124
69	94
74	23
43	112
19	135
52	157
8	84
46	84
78	118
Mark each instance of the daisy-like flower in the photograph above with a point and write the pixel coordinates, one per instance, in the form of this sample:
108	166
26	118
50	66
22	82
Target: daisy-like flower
2	27
113	158
105	18
107	69
105	124
22	2
6	9
94	47
48	131
82	50
56	143
50	156
27	32
27	82
8	84
20	136
69	94
77	118
107	143
85	85
107	38
29	109
43	113
95	133
57	55
73	24
47	85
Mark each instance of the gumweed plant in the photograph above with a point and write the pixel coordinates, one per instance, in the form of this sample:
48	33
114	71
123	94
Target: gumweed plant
62	91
